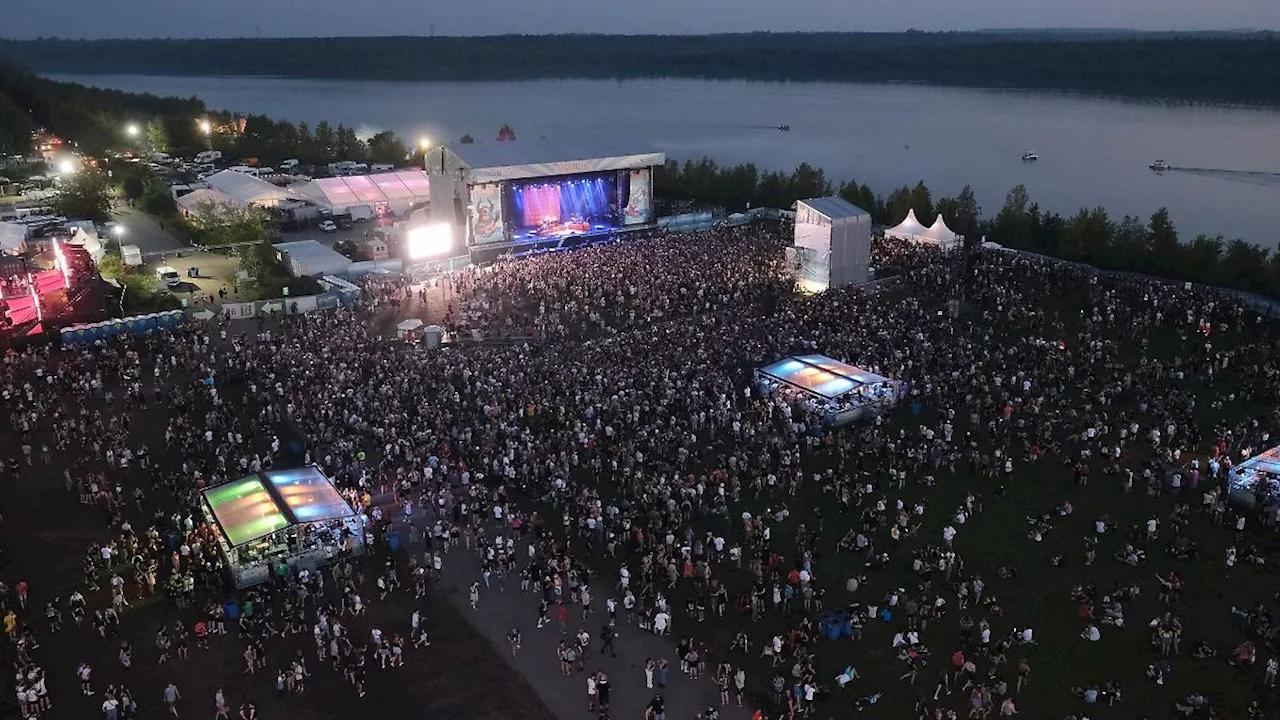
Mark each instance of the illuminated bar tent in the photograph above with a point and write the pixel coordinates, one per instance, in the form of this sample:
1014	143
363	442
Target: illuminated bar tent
831	383
294	516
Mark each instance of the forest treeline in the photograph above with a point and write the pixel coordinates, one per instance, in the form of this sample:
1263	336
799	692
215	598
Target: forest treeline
1150	246
96	121
1239	68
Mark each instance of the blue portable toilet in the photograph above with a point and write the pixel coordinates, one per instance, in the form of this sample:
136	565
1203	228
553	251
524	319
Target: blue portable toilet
232	608
393	541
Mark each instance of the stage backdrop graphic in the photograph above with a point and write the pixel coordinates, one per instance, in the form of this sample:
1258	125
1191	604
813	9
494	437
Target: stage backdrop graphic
486	214
637	211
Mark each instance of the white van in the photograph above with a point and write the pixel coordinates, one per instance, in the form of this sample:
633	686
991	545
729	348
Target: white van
381	167
208	156
168	276
289	164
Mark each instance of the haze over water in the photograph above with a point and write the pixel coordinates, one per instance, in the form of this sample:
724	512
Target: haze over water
1092	151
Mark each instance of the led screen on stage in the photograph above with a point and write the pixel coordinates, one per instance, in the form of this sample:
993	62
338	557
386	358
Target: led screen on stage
561	206
486	214
638	208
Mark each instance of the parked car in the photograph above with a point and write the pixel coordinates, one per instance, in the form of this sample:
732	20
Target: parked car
328	226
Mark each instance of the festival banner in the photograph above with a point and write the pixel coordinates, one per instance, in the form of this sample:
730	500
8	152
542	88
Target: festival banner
486	215
638	209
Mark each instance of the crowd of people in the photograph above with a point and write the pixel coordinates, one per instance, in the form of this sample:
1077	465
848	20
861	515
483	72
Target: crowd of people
623	464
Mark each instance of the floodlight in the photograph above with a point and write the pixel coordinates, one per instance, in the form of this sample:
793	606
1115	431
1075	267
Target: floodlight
66	167
428	241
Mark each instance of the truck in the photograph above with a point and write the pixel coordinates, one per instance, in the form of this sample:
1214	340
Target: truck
360	213
131	255
381	167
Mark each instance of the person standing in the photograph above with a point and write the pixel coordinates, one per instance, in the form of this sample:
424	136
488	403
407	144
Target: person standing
602	692
607	635
221	712
171	698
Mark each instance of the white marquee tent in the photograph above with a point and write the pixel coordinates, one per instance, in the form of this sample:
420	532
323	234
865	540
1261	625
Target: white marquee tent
913	230
249	190
399	191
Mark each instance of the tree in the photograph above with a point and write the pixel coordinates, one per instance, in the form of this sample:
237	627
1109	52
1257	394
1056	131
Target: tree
157	136
226	224
85	195
965	214
385	147
506	133
466	140
1013	223
261	261
326	143
349	147
111	266
132	186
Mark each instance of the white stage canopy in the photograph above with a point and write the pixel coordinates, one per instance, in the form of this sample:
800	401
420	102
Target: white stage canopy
399	190
913	230
487	162
249	190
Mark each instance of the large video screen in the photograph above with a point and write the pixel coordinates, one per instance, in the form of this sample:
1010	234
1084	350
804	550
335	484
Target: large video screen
562	206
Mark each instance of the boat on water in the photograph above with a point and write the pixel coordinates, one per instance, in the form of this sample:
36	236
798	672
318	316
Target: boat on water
1029	156
784	128
1159	166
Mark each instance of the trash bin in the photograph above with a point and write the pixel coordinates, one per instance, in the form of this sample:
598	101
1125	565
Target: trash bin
393	541
232	609
832	628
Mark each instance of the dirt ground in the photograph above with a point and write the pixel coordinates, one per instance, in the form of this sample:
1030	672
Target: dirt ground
45	534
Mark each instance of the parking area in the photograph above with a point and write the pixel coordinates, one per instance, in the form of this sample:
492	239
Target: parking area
214	272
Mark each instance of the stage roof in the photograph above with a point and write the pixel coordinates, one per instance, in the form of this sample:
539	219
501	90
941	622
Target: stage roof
519	159
256	506
821	375
245	510
248	189
1267	462
308	495
834	208
339	193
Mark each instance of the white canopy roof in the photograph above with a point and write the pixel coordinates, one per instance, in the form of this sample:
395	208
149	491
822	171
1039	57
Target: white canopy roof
409	325
248	189
912	229
340	193
194	199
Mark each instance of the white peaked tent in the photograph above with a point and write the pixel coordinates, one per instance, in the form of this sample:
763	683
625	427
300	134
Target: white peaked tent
912	230
945	237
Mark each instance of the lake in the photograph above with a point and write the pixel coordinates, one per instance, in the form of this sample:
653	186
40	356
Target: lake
1092	151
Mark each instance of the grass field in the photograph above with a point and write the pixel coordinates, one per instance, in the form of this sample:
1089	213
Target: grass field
1040	596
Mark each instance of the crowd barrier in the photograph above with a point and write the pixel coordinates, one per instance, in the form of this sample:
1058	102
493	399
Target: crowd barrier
300	305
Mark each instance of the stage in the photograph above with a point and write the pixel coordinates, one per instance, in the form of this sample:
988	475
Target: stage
510	196
70	292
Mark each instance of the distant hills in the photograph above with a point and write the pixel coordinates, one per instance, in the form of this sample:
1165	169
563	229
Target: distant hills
1218	66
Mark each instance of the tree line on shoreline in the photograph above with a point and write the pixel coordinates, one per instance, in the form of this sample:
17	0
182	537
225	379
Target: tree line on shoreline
98	122
1221	68
96	118
1149	246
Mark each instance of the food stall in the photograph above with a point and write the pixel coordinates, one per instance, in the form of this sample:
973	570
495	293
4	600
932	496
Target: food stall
281	519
